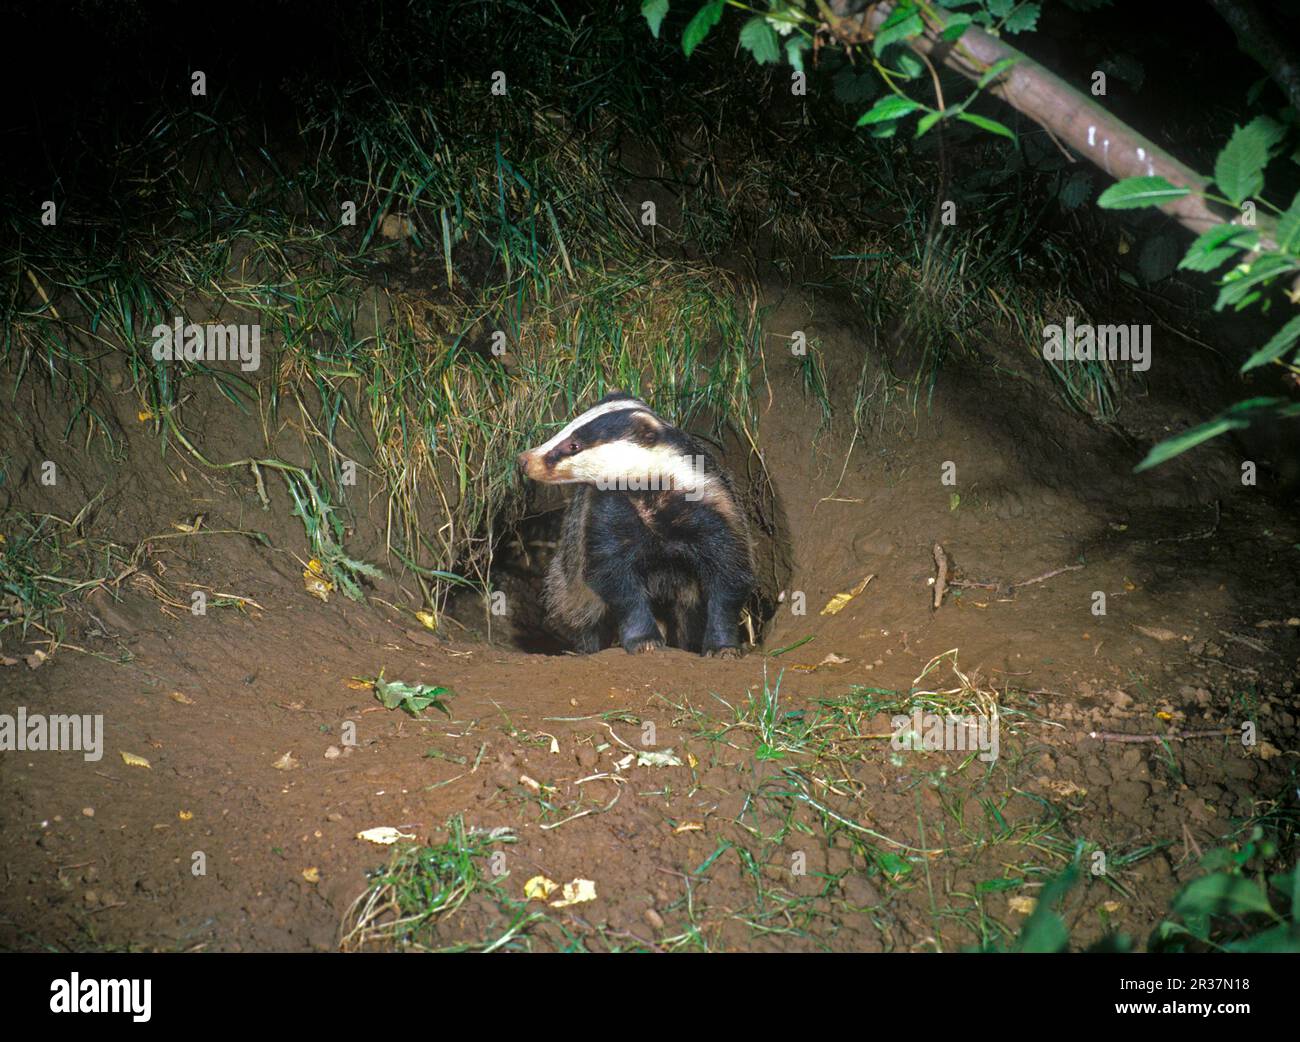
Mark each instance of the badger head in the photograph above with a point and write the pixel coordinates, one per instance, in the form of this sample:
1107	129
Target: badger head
619	443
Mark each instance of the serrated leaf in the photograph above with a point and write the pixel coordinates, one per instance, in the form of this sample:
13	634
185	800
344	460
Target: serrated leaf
654	12
1239	168
1238	285
1278	345
1023	19
991	125
700	25
889	108
902	24
1075	191
1158	259
1288	228
1216	245
760	40
1133	193
852	89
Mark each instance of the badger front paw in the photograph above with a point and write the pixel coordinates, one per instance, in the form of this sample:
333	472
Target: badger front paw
731	652
642	645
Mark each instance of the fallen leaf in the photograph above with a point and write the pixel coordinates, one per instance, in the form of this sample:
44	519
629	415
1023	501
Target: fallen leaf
131	760
1022	905
575	893
836	604
539	888
286	762
383	835
652	759
184	700
314	580
312	875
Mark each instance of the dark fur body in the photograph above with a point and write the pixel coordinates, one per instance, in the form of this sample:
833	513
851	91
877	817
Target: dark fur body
644	568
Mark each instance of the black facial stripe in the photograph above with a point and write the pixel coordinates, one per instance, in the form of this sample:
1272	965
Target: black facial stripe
613	426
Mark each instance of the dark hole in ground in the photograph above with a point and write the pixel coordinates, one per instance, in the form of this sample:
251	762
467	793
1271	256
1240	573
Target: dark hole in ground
524	553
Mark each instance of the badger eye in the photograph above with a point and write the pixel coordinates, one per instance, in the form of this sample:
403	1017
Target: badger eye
574	445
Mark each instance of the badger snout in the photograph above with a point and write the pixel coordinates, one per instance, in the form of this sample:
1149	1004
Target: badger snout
532	465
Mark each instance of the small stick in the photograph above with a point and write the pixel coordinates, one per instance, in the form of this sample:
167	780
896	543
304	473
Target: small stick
941	580
1173	736
1048	575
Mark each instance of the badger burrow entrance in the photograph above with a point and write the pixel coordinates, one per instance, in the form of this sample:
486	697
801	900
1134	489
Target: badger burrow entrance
524	552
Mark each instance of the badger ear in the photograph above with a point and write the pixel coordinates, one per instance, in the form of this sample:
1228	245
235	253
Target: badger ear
645	428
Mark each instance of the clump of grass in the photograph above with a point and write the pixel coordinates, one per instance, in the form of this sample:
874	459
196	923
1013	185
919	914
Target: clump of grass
44	560
424	886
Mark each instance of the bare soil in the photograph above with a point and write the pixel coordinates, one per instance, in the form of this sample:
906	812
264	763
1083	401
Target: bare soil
803	830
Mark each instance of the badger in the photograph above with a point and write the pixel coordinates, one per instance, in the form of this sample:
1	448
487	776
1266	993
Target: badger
654	547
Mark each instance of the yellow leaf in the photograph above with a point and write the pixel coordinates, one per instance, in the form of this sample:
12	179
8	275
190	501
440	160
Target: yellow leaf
186	815
428	620
144	416
181	699
312	875
576	893
314	581
836	604
539	888
131	760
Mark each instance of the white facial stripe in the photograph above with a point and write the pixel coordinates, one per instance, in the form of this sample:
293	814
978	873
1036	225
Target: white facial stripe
598	410
629	464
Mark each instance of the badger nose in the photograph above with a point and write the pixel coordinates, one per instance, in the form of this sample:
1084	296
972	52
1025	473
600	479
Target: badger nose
521	461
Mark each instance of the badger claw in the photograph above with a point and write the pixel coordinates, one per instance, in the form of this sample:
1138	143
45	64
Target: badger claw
643	645
728	653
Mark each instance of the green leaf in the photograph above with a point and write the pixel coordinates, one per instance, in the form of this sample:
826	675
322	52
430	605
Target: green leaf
1278	345
1218	244
699	26
927	121
956	27
1023	19
794	48
990	125
1288	228
1222	894
890	107
654	12
1044	931
760	40
1133	193
1239	169
996	70
1280	938
1238	283
852	88
1235	418
1075	191
1158	259
903	23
